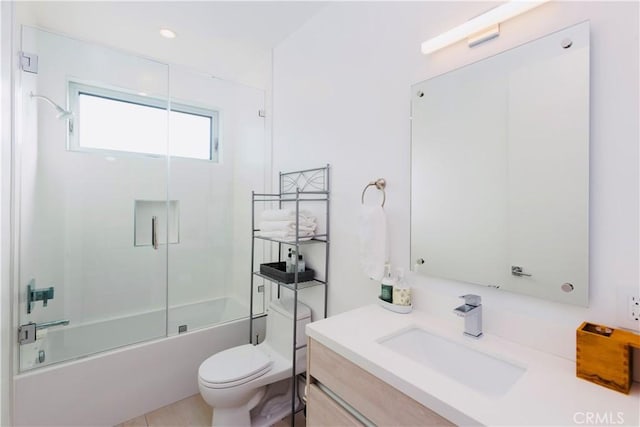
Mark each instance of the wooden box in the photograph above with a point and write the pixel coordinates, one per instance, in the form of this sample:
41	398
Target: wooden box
603	355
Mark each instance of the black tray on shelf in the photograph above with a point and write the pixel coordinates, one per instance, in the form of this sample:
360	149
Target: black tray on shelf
277	271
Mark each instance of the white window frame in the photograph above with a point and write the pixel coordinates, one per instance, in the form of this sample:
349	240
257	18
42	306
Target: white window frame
75	89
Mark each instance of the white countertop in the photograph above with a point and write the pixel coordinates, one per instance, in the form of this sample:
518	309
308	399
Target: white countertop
548	393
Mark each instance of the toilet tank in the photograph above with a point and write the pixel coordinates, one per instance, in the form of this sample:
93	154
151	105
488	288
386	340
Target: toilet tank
280	326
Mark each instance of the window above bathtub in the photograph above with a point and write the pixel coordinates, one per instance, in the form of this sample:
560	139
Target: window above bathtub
113	122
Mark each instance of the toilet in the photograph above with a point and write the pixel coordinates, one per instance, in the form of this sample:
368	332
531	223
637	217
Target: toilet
239	379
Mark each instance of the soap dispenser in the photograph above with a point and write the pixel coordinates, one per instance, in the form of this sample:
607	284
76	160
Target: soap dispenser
402	290
386	285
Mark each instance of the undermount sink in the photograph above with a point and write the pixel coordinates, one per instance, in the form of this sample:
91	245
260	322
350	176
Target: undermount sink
472	368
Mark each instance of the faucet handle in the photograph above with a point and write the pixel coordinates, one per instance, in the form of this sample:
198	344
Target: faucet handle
472	299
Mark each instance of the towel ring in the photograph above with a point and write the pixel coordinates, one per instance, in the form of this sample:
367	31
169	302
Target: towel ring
380	184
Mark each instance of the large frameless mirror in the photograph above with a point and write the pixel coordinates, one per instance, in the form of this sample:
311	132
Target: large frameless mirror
500	170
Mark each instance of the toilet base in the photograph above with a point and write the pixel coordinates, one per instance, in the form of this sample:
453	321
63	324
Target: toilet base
238	416
276	404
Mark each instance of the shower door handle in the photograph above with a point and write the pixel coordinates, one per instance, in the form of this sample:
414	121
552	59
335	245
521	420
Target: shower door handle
154	232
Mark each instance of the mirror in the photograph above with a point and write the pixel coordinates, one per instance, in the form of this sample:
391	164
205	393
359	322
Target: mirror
500	170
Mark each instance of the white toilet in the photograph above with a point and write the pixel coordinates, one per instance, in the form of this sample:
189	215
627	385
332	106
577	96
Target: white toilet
235	381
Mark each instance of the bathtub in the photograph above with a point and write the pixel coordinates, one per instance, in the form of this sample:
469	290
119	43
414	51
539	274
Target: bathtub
70	342
117	385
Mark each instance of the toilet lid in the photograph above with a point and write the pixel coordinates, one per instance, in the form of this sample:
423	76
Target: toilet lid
235	364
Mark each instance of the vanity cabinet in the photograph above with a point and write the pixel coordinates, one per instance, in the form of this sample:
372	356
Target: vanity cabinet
340	393
322	410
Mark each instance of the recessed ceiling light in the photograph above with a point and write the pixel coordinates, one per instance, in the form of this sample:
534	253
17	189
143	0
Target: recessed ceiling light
167	33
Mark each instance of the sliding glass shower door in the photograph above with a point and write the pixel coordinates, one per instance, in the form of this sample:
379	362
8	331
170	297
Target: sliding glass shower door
214	164
91	204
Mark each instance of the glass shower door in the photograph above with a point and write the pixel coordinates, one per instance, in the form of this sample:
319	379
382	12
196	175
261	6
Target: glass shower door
217	157
93	219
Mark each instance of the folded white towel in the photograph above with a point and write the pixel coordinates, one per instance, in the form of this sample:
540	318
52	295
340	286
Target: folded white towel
285	215
303	225
286	236
372	230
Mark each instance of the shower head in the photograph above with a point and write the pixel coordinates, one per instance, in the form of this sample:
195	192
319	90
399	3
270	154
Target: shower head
62	113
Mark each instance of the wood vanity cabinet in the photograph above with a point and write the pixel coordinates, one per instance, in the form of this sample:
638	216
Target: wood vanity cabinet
357	394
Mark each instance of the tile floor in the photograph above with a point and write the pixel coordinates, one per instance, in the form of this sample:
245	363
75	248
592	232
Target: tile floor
189	412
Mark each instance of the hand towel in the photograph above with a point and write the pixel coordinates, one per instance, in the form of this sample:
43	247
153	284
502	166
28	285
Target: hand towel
372	230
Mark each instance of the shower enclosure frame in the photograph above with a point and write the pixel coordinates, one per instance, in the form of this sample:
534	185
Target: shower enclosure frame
15	383
236	102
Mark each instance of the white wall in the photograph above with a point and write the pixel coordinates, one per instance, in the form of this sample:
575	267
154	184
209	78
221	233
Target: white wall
341	95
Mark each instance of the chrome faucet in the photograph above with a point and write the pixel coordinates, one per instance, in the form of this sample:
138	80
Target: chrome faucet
471	310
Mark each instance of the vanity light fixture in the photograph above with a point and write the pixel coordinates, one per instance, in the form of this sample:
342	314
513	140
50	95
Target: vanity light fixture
482	27
167	33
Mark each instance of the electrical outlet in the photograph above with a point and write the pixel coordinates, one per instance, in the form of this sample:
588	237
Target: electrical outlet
628	308
634	308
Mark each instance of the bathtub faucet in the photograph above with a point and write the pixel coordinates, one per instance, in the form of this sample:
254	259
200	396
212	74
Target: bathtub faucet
28	332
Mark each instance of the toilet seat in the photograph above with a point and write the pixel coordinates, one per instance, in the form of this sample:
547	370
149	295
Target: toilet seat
233	367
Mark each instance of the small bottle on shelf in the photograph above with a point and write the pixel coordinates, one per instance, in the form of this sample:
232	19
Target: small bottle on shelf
290	263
